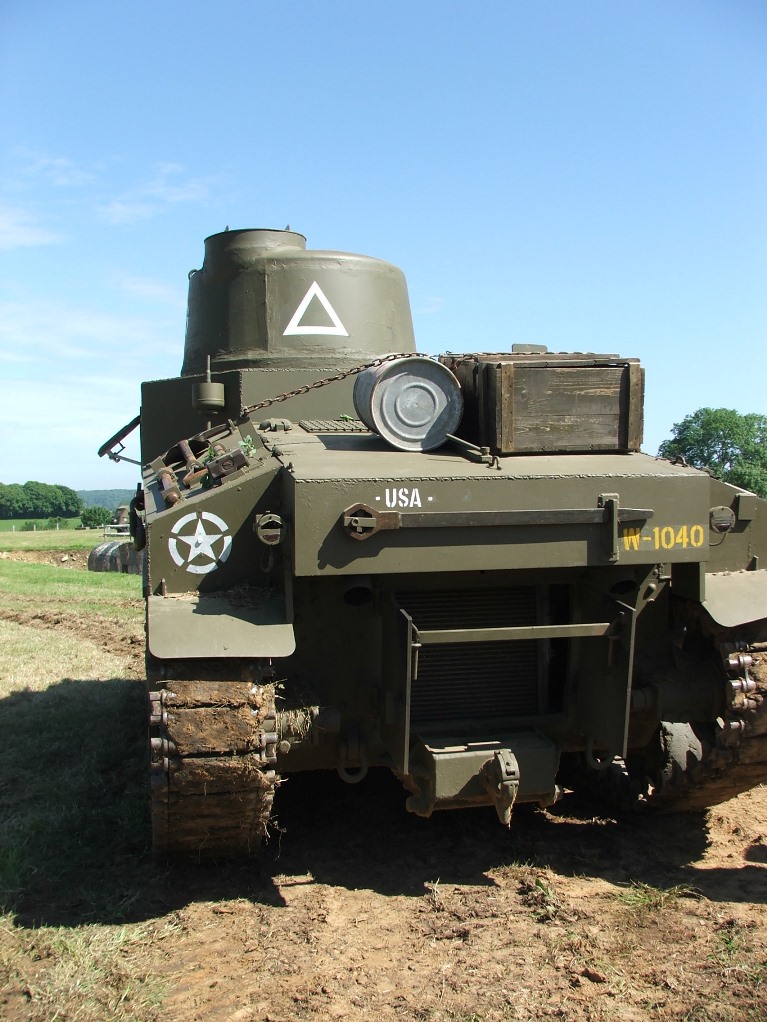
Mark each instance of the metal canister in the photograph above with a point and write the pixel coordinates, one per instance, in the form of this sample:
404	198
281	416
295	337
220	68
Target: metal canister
413	403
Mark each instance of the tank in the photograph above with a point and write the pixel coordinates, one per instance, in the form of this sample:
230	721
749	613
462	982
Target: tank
530	605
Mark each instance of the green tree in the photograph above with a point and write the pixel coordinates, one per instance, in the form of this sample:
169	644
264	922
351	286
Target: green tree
93	517
68	504
12	500
40	499
733	446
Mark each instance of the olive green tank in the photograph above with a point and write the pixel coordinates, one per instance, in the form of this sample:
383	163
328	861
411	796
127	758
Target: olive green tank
462	569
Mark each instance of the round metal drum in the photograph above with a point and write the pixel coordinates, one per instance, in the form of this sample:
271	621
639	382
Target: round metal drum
413	403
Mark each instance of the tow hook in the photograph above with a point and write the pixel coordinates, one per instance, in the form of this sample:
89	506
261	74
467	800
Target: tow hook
352	762
501	778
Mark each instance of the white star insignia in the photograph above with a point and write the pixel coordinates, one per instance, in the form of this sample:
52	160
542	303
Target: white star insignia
201	543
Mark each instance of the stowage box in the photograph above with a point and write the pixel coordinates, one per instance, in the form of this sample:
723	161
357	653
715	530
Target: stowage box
535	404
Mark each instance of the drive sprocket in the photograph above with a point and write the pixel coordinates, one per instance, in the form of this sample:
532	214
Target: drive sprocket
688	767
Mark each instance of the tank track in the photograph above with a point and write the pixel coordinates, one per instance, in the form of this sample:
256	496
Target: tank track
212	757
697	765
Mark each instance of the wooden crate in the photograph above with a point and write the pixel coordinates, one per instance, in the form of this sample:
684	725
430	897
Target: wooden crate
519	403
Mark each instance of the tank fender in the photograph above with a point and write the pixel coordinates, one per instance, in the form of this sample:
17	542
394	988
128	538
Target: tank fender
735	598
198	626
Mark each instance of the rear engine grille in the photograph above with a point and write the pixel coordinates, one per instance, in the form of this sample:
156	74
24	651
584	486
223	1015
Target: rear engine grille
477	680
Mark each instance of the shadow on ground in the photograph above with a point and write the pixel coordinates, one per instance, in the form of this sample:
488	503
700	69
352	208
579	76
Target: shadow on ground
75	842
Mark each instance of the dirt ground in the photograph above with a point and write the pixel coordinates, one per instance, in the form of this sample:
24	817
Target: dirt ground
359	910
61	558
364	912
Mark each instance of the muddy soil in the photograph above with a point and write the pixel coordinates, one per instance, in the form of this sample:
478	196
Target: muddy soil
365	912
61	558
359	910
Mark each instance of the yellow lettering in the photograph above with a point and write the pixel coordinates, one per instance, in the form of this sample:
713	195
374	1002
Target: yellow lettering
631	539
667	537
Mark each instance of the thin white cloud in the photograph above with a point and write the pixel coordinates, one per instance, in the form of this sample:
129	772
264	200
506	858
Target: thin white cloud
15	358
153	290
166	188
125	212
80	371
53	335
61	171
169	186
20	229
75	416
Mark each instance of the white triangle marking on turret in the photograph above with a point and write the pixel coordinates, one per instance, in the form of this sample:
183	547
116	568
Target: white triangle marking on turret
296	327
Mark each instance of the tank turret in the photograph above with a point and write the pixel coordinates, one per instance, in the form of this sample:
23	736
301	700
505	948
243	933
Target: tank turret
268	316
261	300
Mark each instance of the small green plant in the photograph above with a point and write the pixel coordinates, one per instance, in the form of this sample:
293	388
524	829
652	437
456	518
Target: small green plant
731	940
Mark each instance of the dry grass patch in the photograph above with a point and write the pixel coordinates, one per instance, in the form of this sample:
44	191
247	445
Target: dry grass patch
73	804
90	974
51	539
32	659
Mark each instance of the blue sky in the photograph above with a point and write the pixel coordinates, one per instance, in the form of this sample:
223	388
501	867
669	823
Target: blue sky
584	174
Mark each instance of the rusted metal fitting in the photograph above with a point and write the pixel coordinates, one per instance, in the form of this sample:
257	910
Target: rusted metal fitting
170	491
192	464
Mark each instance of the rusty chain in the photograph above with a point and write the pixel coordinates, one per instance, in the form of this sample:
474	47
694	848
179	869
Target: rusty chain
248	409
456	360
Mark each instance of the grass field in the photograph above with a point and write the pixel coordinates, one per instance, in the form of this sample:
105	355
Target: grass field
46	588
50	539
17	525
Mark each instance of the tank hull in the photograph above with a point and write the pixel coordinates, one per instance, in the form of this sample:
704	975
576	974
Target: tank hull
533	604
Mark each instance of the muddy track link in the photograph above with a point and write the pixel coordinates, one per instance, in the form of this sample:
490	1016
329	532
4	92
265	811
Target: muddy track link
212	751
700	765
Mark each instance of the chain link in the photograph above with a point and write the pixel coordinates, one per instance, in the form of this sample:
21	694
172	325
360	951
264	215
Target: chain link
248	409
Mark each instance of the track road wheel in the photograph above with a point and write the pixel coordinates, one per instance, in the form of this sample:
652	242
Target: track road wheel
212	749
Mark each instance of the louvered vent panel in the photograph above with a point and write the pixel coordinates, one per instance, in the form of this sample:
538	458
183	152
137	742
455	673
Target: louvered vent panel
474	681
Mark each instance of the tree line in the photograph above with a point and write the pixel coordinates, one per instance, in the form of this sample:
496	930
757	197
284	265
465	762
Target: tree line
38	500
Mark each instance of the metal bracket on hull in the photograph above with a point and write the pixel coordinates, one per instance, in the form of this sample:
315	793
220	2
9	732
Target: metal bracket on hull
362	521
